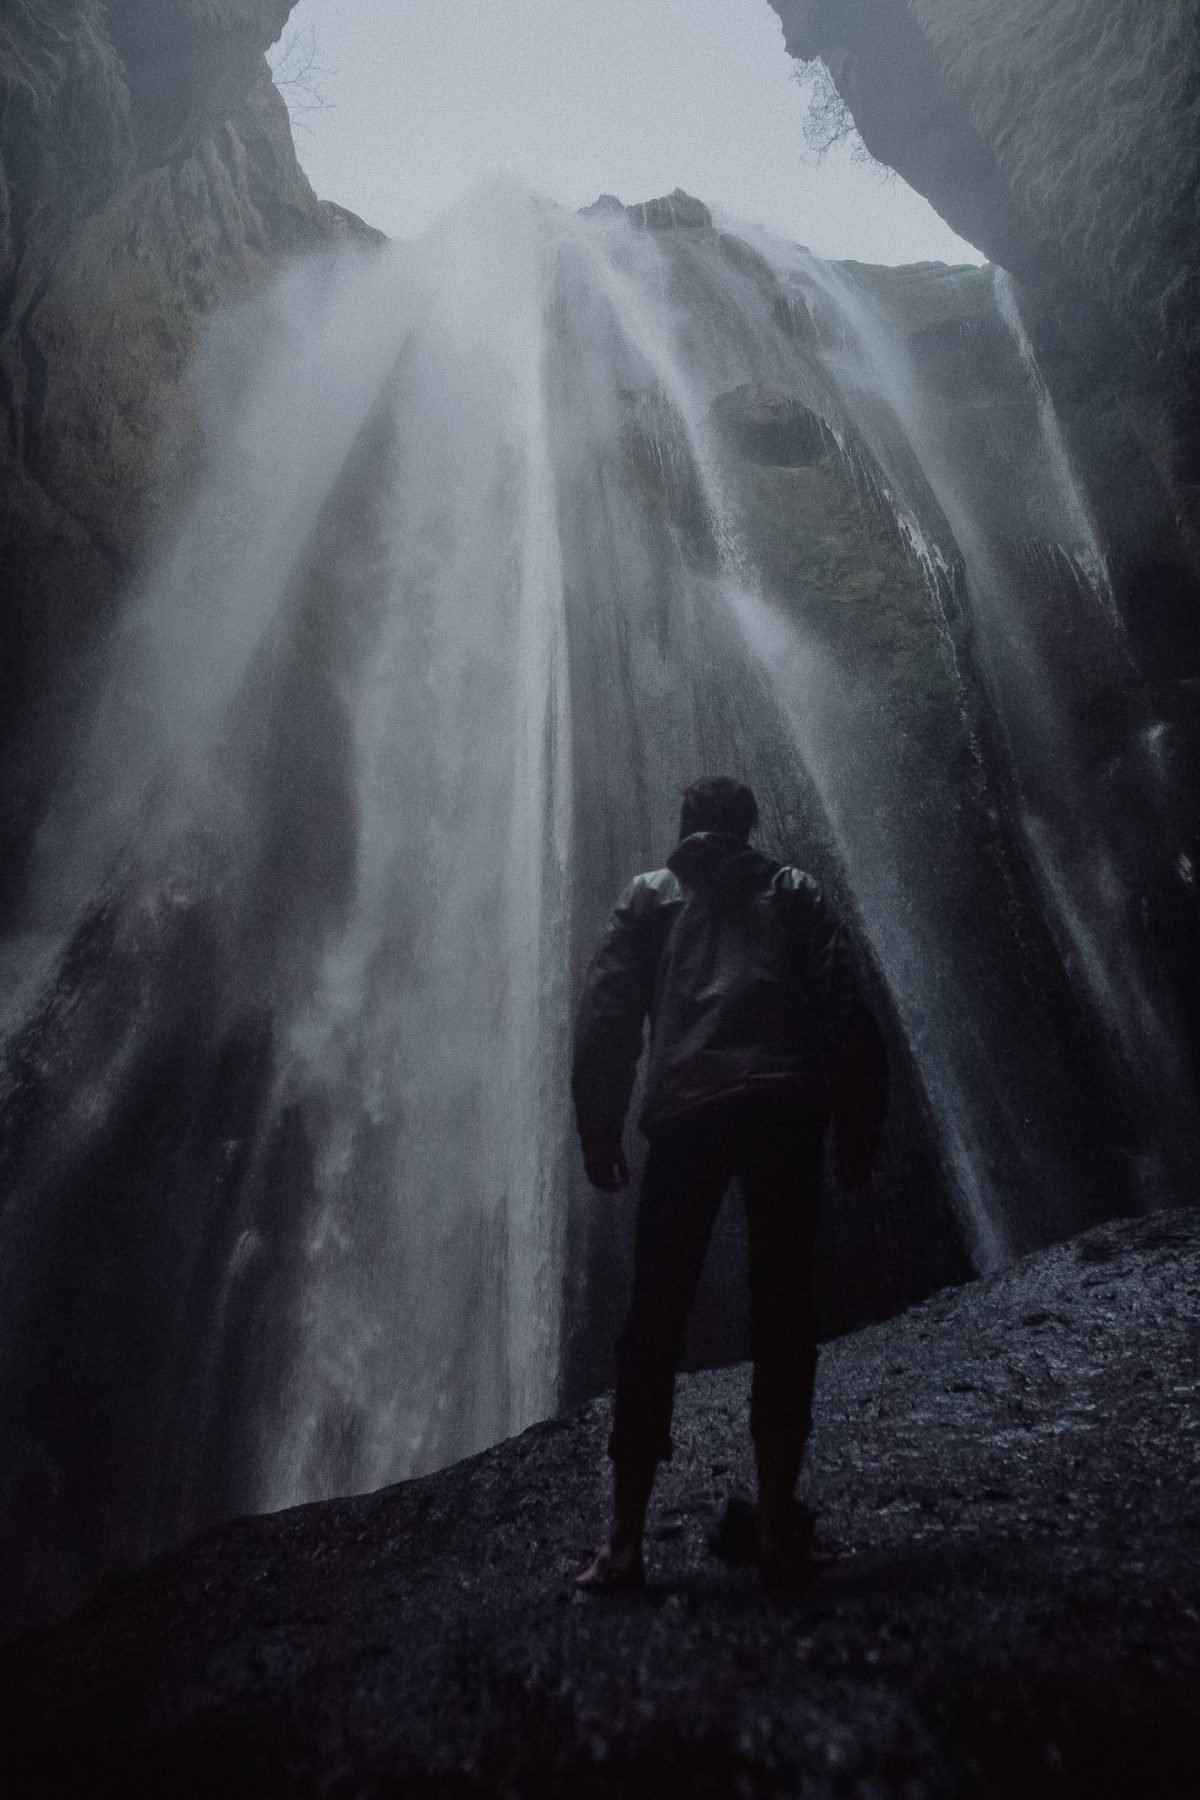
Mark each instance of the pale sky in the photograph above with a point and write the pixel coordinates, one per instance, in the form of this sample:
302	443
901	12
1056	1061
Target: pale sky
582	97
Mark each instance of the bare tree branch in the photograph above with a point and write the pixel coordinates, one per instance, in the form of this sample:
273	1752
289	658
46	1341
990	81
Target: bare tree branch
829	121
301	75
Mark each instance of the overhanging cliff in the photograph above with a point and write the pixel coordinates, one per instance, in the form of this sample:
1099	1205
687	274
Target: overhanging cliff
1063	138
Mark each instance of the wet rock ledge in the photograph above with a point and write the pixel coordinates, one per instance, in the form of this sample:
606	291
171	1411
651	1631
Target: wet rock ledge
1008	1602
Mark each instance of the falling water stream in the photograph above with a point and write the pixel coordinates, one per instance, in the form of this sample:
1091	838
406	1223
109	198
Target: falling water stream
1066	819
469	585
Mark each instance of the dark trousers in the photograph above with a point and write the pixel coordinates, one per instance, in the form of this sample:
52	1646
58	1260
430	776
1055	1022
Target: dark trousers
773	1145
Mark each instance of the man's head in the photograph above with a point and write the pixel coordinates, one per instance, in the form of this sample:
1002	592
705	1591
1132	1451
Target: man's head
718	803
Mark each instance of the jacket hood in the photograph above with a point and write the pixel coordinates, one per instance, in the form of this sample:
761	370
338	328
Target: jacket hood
720	861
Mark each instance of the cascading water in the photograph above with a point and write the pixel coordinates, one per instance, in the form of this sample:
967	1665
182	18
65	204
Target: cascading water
1063	499
499	538
1032	551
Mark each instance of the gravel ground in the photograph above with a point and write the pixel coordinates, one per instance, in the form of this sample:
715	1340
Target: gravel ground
1006	1602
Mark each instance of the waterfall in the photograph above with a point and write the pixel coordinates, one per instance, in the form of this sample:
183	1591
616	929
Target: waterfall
1015	546
496	540
1054	471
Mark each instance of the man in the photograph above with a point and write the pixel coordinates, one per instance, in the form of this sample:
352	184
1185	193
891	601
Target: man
757	1035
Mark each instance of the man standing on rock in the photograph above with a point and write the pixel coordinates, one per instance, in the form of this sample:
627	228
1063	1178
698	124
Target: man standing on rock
757	1035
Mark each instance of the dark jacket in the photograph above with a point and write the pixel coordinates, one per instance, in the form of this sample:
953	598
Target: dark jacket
745	976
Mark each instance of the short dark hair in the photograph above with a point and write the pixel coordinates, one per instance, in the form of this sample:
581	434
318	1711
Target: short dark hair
718	803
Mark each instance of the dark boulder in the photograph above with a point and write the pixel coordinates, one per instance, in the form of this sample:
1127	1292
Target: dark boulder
769	427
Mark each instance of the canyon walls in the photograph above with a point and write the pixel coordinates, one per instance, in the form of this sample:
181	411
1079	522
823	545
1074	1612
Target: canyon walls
403	592
147	175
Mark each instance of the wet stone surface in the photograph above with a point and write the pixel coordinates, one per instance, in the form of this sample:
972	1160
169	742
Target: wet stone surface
1007	1598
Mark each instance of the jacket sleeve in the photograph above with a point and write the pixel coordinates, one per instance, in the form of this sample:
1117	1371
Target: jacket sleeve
856	1060
608	1028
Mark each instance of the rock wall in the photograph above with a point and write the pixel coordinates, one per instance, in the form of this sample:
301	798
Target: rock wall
1063	138
147	173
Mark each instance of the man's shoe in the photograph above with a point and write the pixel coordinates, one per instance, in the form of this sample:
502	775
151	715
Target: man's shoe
734	1537
737	1535
788	1560
608	1574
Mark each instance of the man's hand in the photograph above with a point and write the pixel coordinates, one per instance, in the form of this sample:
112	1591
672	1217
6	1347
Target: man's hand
607	1168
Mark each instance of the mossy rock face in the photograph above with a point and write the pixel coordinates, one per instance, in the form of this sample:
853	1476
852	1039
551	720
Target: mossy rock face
1116	440
821	545
831	556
